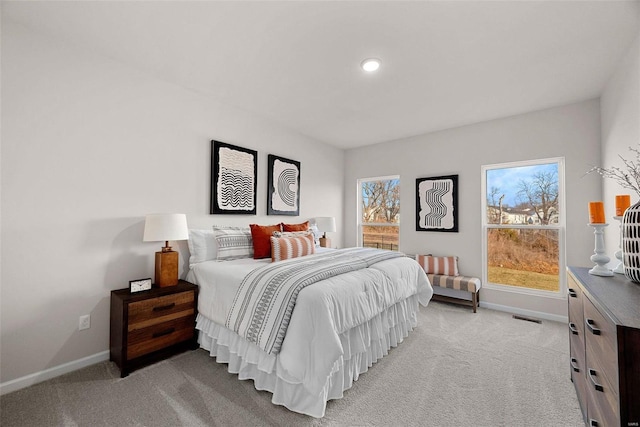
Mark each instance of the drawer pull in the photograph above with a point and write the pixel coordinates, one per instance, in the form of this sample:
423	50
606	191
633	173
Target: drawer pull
164	307
574	364
592	375
163	333
591	325
572	293
593	423
573	329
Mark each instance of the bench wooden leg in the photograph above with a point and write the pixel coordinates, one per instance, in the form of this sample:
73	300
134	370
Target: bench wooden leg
474	298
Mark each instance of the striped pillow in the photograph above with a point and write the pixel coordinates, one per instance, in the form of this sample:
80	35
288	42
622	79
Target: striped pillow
291	247
445	265
233	243
292	233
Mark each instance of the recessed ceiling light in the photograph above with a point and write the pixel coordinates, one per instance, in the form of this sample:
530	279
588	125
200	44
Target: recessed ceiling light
370	65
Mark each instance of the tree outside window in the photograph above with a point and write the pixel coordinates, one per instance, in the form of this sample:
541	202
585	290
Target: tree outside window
379	216
523	224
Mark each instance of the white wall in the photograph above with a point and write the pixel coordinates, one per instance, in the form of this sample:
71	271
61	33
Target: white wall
89	147
620	110
571	131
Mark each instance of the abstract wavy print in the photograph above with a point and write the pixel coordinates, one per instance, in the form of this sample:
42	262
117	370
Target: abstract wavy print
235	183
436	205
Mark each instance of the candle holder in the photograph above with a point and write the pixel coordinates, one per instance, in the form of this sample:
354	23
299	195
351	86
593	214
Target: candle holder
600	257
618	254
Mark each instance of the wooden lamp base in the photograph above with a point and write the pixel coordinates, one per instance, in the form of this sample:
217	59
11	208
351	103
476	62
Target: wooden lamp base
325	242
166	268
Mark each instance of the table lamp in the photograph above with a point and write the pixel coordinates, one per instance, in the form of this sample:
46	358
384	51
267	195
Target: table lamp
165	227
326	224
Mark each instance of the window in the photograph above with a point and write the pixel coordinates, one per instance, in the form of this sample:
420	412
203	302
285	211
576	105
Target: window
523	226
379	212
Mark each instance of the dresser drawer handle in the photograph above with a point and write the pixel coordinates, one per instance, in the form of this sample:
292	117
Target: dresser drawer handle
572	293
593	423
592	375
590	324
164	307
574	364
573	329
163	333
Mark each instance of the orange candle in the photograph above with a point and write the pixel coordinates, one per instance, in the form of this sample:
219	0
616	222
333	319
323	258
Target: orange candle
596	212
623	201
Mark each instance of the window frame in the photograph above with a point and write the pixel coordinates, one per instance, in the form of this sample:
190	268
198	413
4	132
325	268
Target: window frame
560	226
359	222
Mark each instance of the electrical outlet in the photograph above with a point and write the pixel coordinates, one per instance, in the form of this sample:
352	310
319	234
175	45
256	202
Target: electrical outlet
84	322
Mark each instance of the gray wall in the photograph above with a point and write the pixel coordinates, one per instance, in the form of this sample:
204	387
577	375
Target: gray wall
620	106
88	148
571	131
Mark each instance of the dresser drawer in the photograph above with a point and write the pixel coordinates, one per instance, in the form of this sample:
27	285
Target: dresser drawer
159	336
576	317
578	369
601	346
143	314
603	407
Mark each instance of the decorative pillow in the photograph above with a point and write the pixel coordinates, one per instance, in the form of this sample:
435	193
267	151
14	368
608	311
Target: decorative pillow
233	243
295	227
445	265
292	233
202	246
291	247
261	243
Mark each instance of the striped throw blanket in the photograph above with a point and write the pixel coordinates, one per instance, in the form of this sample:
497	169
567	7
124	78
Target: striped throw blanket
264	302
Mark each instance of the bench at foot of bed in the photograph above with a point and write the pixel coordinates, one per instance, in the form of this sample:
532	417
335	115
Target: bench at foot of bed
457	289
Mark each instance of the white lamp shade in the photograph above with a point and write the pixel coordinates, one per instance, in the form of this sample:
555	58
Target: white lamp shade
165	227
326	223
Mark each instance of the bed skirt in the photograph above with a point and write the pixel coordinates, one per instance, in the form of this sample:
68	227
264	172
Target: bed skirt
362	346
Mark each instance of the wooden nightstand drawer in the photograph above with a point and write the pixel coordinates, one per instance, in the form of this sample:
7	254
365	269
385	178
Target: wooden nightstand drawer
151	325
161	335
143	314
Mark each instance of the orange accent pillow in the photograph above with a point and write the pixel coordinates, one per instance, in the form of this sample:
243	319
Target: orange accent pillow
295	227
260	234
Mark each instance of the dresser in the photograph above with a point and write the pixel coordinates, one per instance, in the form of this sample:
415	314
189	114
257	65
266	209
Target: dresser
151	325
604	325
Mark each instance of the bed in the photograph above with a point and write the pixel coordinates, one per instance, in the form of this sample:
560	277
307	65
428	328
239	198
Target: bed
338	328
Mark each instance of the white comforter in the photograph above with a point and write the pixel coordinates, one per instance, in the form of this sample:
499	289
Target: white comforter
323	311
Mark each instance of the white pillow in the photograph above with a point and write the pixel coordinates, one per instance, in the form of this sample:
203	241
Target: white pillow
202	246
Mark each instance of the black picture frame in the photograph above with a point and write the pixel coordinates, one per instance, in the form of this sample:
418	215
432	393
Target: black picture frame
234	179
437	203
283	189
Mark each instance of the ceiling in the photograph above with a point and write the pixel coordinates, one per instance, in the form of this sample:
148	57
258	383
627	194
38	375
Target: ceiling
444	63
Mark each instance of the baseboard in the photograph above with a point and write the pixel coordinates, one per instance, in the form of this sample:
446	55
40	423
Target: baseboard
523	312
56	371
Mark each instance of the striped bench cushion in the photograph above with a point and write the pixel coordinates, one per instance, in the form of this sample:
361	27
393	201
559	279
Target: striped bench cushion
463	283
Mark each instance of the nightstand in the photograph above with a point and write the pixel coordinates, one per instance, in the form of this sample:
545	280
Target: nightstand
152	325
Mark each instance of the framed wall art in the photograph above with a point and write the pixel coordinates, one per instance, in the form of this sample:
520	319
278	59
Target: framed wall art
437	203
234	178
283	191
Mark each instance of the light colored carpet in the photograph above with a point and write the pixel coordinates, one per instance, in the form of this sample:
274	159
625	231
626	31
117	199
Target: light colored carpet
455	369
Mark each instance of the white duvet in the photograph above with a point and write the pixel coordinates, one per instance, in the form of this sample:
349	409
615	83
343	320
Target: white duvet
323	311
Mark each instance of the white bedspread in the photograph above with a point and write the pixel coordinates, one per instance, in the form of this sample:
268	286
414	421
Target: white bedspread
323	312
